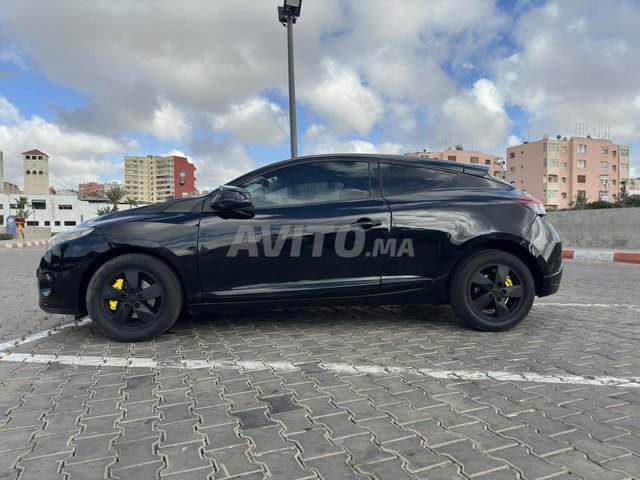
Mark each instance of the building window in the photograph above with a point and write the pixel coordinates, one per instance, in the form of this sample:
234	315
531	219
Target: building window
474	160
582	179
69	223
604	165
512	169
513	182
582	194
57	223
563	149
47	223
614	167
582	148
39	204
605	150
563	180
553	147
563	164
624	167
614	153
28	172
553	179
604	180
624	152
552	194
512	155
553	163
564	195
614	182
65	207
33	223
452	158
582	164
487	161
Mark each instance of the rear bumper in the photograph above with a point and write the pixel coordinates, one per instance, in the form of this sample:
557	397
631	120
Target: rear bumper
550	284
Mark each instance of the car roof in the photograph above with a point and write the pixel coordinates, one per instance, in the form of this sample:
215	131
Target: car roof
477	170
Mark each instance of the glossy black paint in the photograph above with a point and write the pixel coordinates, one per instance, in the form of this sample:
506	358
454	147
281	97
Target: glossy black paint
469	213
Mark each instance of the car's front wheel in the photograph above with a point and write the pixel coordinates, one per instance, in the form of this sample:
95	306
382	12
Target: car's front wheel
134	297
492	291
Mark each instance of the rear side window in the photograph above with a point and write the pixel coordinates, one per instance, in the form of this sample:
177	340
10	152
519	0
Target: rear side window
402	179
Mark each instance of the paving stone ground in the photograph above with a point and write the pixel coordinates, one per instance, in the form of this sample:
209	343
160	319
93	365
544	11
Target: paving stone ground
331	393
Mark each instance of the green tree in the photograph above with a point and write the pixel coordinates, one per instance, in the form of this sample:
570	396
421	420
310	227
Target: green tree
115	195
104	211
132	202
21	204
624	195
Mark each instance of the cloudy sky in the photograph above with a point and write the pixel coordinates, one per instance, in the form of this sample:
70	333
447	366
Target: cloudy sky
88	82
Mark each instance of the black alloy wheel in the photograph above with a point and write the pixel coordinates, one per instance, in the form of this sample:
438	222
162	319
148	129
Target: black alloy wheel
134	297
492	291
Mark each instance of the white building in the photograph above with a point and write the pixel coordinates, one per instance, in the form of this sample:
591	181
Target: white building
60	212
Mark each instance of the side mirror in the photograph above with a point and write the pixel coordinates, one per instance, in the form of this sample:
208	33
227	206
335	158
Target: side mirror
231	198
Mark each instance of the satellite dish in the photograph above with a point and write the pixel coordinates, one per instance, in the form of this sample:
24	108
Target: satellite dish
558	137
459	147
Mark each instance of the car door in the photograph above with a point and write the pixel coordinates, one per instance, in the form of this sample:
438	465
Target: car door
310	233
421	227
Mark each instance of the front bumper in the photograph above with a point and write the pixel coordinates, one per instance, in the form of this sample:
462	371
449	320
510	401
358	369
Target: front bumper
62	274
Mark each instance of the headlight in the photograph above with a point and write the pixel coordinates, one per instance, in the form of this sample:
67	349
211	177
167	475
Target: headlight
69	235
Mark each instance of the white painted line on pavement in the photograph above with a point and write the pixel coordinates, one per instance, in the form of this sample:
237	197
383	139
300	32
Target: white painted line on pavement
37	336
343	368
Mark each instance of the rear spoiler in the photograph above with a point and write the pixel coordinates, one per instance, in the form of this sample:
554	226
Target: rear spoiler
477	170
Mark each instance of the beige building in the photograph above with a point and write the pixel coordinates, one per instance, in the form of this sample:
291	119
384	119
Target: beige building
152	179
559	170
458	154
36	172
1	172
633	187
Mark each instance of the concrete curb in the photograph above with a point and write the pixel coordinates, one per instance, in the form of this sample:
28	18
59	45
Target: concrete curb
35	243
623	257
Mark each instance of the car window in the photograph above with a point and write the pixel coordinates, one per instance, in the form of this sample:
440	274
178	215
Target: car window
401	179
310	183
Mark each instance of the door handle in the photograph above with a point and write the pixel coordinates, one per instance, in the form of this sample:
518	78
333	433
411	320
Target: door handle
366	223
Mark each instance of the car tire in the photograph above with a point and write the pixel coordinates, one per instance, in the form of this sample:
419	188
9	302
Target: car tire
491	290
134	297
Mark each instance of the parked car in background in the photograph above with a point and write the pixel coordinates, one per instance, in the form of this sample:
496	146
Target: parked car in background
338	229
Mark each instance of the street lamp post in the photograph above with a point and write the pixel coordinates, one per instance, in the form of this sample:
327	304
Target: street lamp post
288	15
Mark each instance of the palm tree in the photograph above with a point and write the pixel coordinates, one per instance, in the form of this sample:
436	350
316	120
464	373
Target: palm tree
103	211
132	202
115	194
21	205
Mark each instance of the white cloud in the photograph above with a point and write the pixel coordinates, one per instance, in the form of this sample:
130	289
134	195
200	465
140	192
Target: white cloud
74	156
475	115
343	99
257	120
169	122
318	140
8	112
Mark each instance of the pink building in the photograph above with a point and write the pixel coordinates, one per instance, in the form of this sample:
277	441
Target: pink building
558	171
458	154
93	189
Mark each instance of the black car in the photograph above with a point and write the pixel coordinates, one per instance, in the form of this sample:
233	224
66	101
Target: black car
322	230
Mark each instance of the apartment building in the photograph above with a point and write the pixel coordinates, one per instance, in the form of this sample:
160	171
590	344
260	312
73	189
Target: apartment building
152	179
459	154
558	171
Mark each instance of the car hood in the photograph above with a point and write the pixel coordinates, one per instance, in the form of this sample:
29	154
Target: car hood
182	205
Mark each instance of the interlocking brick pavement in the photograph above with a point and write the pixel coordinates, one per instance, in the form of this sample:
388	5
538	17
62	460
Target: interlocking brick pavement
327	393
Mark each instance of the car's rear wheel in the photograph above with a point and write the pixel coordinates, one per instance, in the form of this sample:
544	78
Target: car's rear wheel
134	297
492	290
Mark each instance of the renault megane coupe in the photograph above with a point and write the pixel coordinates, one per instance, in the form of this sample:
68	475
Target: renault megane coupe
339	229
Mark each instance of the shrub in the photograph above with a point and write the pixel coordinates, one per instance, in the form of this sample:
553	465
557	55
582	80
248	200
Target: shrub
599	204
5	236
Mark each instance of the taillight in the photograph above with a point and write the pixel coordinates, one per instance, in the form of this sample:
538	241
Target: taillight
531	203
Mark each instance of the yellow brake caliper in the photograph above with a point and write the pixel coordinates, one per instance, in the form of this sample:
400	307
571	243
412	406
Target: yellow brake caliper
507	281
113	304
